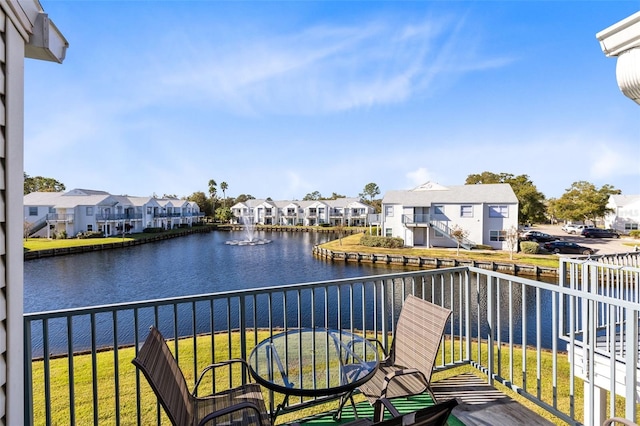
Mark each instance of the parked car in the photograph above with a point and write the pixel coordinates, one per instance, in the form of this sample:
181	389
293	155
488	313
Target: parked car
537	236
600	233
566	247
575	229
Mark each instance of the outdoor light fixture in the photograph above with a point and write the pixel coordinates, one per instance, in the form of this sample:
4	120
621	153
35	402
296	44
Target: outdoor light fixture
622	39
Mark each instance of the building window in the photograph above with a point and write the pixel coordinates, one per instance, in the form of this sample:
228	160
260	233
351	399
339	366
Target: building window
89	211
498	211
630	226
438	209
438	234
89	228
497	235
388	232
466	211
388	211
33	211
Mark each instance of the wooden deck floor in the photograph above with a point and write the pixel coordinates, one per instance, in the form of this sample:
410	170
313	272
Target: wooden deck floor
483	405
479	405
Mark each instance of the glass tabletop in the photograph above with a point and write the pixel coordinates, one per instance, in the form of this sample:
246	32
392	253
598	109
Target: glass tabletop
313	362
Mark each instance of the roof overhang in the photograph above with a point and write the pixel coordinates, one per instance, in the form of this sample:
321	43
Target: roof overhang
46	42
622	40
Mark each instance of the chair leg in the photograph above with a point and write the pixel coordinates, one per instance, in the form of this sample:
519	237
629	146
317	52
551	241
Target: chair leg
378	412
343	400
433	397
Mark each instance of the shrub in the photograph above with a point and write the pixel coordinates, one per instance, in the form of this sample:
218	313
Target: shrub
529	247
89	234
635	233
60	235
385	242
152	230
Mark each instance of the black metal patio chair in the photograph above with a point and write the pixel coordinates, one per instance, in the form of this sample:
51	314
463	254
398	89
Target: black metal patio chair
242	405
407	369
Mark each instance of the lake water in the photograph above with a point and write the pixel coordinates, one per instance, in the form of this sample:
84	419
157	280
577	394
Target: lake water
199	264
195	264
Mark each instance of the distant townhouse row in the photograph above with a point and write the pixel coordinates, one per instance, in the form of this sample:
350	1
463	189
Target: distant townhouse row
423	217
81	210
341	211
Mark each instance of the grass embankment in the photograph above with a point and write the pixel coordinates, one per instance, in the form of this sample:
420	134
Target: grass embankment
351	243
226	347
34	244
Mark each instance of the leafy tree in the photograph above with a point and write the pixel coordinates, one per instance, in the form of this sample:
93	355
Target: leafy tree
244	197
531	202
370	190
315	195
170	196
41	184
223	214
224	186
200	198
335	196
583	201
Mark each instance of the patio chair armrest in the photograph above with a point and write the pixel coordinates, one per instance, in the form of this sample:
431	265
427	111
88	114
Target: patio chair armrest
379	345
226	363
398	373
237	407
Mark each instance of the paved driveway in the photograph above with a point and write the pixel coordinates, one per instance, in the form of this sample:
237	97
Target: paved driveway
602	245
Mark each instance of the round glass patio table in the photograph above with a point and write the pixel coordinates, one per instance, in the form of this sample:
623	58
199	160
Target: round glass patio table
313	362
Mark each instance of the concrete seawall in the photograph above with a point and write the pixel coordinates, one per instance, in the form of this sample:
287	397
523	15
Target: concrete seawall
432	262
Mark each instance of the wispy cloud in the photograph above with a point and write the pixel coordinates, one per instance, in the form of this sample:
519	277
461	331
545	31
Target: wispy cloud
320	70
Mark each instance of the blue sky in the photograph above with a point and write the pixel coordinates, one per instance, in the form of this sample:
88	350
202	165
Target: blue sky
280	99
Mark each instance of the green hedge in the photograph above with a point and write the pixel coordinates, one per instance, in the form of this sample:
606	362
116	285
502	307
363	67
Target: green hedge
529	247
90	234
152	230
384	242
635	233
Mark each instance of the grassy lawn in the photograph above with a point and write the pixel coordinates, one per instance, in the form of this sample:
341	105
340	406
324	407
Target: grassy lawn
225	348
33	244
351	243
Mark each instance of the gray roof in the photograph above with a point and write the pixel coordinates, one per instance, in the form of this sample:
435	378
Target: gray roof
625	200
41	198
66	200
426	195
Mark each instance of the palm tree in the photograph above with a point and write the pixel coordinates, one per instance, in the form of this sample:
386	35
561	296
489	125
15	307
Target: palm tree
212	193
224	186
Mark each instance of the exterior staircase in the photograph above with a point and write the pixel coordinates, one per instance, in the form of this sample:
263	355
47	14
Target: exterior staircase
50	217
466	243
36	226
